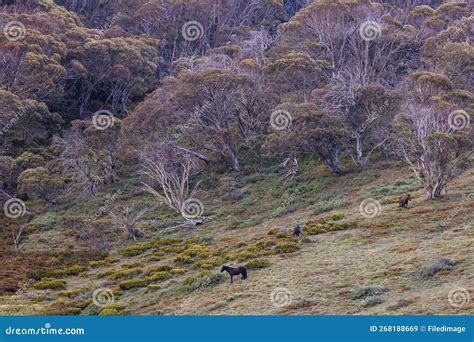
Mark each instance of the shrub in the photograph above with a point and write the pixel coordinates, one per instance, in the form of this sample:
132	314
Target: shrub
131	284
178	271
209	263
52	284
337	217
205	281
366	291
257	263
108	260
265	244
125	274
158	276
262	247
160	268
302	303
137	249
196	277
153	287
72	311
157	257
282	235
183	259
133	265
400	304
243	255
234	195
313	228
68	294
83	304
72	270
371	301
286	247
193	252
173	249
440	265
112	310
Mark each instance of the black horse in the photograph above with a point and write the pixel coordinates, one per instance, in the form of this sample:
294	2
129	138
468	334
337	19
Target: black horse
235	271
297	231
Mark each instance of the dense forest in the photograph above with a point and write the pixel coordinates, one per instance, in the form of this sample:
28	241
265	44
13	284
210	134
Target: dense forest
184	134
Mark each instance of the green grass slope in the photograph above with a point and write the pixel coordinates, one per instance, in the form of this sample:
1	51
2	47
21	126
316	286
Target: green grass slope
402	261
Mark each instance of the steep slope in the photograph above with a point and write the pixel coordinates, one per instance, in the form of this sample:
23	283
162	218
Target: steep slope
402	261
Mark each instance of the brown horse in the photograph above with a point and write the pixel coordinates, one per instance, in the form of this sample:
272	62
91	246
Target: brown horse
235	271
403	201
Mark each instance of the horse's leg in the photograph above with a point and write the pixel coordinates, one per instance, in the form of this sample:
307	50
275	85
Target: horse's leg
231	281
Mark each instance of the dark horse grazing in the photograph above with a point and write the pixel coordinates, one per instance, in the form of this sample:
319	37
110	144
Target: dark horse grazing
297	231
235	271
403	201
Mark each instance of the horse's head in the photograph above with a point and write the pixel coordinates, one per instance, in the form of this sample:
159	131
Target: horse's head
223	268
409	197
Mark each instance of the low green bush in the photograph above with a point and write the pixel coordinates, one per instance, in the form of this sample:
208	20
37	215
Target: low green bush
158	276
133	283
52	284
137	249
286	247
257	263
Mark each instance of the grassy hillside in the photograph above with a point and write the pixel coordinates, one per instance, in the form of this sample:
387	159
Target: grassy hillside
402	261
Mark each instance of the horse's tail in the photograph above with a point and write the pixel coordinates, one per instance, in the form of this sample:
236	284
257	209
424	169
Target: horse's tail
244	273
